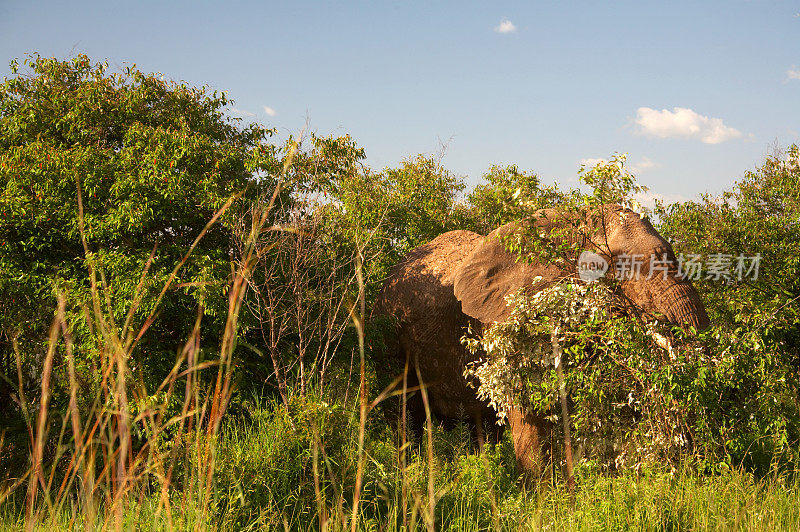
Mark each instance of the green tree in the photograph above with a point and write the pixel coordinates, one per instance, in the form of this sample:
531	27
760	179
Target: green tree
753	409
152	162
505	195
385	214
343	219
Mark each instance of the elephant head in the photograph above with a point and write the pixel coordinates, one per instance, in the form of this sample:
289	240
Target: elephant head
636	253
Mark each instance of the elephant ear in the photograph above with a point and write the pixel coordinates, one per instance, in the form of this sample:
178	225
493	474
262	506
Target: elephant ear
490	273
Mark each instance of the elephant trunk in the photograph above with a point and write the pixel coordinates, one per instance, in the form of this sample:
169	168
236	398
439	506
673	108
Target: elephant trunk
682	304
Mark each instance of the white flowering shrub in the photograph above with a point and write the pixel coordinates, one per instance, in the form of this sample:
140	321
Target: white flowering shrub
611	182
617	370
518	351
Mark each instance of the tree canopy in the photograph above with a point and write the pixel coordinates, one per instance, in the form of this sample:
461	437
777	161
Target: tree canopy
123	171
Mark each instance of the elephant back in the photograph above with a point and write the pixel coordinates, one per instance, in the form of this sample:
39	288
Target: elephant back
423	280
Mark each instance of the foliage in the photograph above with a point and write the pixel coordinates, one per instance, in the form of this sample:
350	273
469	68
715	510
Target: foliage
337	217
758	217
553	227
753	408
611	183
153	163
632	390
265	480
625	409
730	393
141	167
508	194
518	349
386	214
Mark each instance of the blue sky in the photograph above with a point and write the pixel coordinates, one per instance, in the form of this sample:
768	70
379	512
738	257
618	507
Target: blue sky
696	92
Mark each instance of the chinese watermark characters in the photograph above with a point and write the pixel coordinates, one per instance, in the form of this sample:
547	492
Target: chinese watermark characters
714	267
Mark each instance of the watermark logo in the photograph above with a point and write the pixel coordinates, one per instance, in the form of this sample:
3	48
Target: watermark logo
591	266
719	267
714	267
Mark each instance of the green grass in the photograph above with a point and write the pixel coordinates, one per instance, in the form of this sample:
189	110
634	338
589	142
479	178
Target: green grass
264	479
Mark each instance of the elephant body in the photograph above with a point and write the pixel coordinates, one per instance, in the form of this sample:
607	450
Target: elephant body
419	293
460	279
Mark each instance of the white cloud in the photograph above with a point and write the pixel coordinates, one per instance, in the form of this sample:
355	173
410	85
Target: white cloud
270	111
644	164
591	162
793	73
505	26
648	199
241	112
683	122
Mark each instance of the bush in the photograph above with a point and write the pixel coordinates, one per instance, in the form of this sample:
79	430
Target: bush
270	467
747	399
118	173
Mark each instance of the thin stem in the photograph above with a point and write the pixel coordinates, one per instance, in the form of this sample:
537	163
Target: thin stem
562	392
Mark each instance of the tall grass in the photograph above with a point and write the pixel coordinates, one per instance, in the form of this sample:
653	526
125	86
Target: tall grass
264	479
93	469
297	466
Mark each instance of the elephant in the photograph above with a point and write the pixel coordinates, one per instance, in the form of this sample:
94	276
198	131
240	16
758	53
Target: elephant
460	279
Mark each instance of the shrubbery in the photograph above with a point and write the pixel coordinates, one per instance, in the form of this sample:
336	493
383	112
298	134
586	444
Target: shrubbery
106	176
747	400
